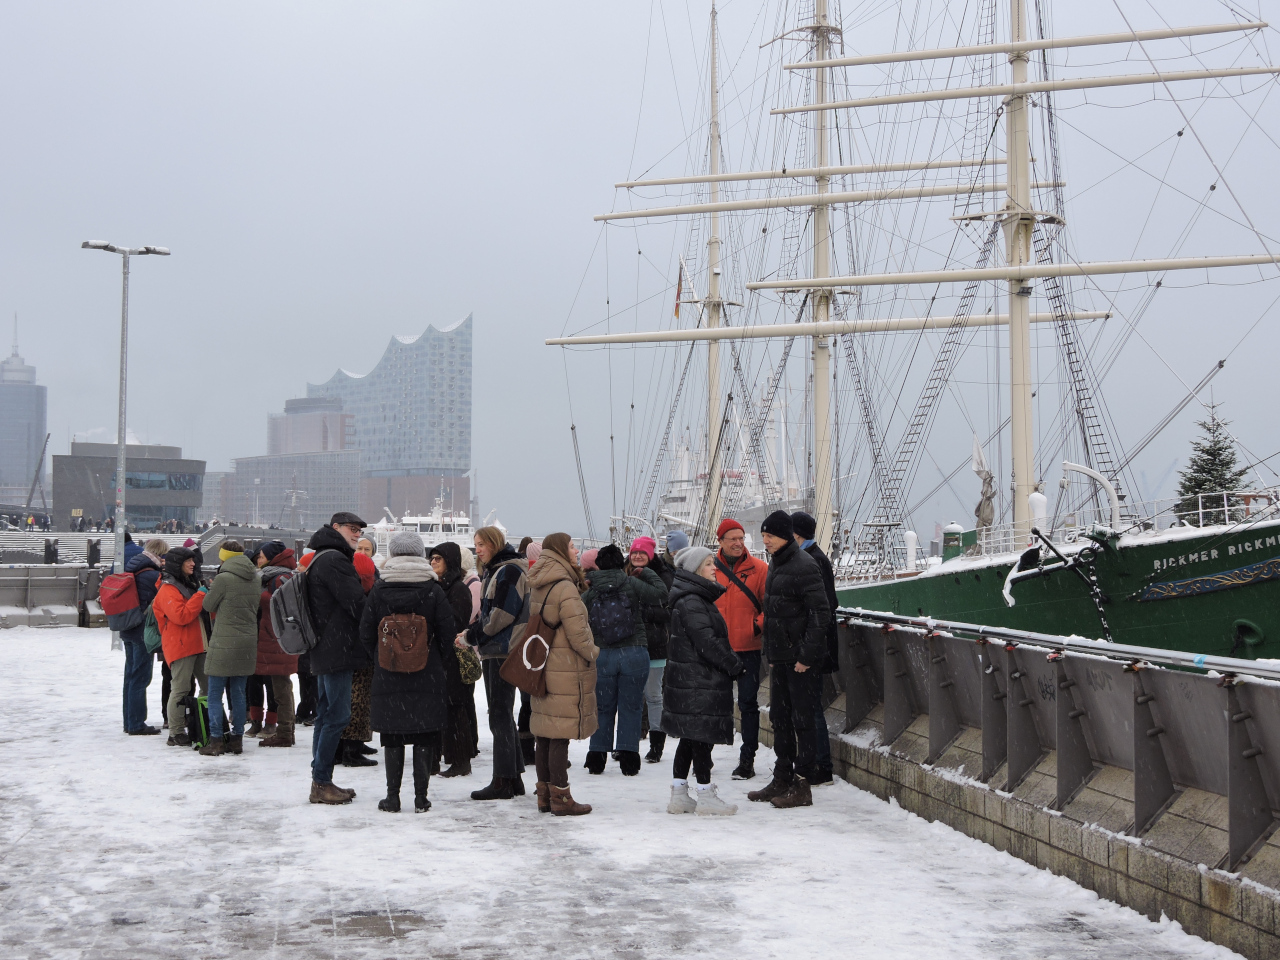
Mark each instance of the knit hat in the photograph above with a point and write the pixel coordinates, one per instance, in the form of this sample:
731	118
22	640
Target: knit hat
406	543
691	558
189	543
727	524
779	524
610	558
532	552
804	524
676	541
645	545
588	559
271	549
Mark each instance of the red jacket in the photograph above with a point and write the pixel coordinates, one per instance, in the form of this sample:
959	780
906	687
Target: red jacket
272	661
366	569
745	624
178	618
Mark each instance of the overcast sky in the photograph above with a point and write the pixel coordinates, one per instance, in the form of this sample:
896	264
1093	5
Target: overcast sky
328	175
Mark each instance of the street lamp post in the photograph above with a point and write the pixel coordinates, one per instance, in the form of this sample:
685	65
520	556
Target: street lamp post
125	254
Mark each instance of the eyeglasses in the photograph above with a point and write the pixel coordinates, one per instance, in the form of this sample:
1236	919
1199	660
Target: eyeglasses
734	538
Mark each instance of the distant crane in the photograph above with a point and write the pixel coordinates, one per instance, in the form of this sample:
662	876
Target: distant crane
38	481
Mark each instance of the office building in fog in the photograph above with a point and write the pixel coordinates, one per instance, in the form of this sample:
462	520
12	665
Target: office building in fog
23	427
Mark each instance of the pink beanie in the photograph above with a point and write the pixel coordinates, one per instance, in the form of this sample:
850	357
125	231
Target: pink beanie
532	552
645	545
589	559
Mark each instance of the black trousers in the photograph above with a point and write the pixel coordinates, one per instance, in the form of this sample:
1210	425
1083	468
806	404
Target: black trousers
256	688
793	708
501	698
459	731
748	703
551	759
693	752
306	689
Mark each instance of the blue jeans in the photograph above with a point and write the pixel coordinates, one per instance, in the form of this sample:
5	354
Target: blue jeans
749	703
137	677
235	688
621	673
653	694
333	713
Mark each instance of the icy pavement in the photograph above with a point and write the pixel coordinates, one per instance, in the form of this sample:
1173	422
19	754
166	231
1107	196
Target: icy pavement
121	847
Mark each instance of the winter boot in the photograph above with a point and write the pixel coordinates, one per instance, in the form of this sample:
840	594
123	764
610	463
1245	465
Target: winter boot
517	785
236	745
268	730
499	789
595	761
657	740
798	795
421	776
328	793
460	769
395	772
629	762
214	748
680	801
353	756
821	778
710	804
283	737
365	749
563	804
746	768
775	788
543	790
255	728
179	740
526	749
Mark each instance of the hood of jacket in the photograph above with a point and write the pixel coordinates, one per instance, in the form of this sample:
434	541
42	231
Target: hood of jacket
141	561
327	538
686	583
505	555
239	566
282	562
173	561
408	569
607	579
451	554
550	569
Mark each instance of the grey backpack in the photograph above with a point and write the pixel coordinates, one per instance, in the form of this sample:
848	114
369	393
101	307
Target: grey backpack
291	615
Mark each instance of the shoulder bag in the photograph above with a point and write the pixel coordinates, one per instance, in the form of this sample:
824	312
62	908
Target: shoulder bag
526	663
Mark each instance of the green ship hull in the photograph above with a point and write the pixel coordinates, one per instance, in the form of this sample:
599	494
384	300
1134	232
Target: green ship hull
1213	591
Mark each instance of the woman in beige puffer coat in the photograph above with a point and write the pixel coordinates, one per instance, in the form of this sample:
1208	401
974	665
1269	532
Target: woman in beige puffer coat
568	711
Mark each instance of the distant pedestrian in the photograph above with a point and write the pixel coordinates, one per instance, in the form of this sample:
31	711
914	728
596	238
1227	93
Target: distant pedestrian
337	603
459	735
701	667
795	641
568	711
742	606
408	707
616	603
806	528
233	602
146	565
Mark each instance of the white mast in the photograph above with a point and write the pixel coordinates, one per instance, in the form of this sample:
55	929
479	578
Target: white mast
714	305
821	298
1018	225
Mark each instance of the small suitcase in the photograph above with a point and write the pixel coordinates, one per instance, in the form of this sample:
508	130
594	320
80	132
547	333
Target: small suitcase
197	719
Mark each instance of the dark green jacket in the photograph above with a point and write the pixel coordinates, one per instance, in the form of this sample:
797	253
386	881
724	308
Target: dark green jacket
233	600
645	588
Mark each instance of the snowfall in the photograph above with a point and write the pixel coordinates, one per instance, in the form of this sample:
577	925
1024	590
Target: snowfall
123	847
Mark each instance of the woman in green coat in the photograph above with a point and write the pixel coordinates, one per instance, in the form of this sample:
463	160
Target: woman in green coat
233	646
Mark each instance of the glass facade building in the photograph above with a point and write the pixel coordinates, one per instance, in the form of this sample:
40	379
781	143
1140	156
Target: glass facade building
23	425
159	485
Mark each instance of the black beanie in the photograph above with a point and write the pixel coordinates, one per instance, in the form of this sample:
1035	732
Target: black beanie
610	558
779	524
804	524
271	549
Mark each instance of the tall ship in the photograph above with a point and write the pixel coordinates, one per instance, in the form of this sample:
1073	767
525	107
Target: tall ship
905	218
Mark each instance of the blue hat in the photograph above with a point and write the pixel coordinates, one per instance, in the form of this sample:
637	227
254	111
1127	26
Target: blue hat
676	541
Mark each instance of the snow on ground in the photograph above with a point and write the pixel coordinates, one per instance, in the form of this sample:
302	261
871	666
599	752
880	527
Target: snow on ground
122	847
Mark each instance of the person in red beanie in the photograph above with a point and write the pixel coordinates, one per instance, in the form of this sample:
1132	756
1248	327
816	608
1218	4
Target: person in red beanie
742	606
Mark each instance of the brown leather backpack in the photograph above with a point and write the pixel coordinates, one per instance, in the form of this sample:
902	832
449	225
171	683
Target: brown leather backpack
403	643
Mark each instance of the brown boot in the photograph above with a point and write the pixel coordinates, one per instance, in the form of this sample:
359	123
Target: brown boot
798	795
236	745
544	796
255	728
268	730
328	793
214	748
563	804
775	788
283	737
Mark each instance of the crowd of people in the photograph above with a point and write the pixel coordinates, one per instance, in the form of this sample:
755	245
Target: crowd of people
639	644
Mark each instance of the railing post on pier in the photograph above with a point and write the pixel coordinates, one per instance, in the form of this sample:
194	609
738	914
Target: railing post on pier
1153	788
995	746
944	726
898	710
1249	817
855	666
1023	745
1075	763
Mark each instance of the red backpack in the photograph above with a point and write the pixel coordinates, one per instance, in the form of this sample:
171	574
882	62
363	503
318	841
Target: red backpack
119	598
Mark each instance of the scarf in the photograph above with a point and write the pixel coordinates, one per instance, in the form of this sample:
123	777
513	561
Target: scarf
407	570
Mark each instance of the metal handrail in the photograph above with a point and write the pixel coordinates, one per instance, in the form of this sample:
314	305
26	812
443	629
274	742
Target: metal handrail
1102	648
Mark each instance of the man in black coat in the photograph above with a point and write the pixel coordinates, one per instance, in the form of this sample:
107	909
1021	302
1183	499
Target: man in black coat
337	602
795	643
806	528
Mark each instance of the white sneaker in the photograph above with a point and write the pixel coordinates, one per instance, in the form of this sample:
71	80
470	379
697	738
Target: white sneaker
710	804
680	801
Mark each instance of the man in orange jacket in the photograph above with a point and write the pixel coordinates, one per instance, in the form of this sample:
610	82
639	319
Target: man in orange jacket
742	606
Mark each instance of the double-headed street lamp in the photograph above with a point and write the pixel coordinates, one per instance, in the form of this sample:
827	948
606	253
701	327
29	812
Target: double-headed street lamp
125	254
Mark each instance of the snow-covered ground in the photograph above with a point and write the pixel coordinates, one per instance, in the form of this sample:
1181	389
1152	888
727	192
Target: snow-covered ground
121	847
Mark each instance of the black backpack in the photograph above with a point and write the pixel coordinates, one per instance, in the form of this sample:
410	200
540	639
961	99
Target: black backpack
613	620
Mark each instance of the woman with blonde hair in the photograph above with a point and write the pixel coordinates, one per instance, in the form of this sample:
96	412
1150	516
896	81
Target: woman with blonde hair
568	711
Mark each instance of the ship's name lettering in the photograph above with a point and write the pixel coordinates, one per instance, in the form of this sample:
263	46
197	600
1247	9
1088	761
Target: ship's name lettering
1233	550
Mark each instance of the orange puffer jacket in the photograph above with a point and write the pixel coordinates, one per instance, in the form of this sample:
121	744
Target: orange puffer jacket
180	622
745	624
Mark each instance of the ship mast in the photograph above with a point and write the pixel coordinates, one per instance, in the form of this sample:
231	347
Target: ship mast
715	413
821	299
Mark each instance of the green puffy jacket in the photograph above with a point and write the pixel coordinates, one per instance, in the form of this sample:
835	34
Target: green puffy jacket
233	600
644	589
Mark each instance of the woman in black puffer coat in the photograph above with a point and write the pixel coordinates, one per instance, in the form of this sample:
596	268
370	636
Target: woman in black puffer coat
697	686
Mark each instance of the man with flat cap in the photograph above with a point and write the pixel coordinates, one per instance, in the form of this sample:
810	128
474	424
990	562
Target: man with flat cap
795	643
337	602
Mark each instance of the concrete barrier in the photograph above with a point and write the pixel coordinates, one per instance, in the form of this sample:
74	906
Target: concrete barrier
39	595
